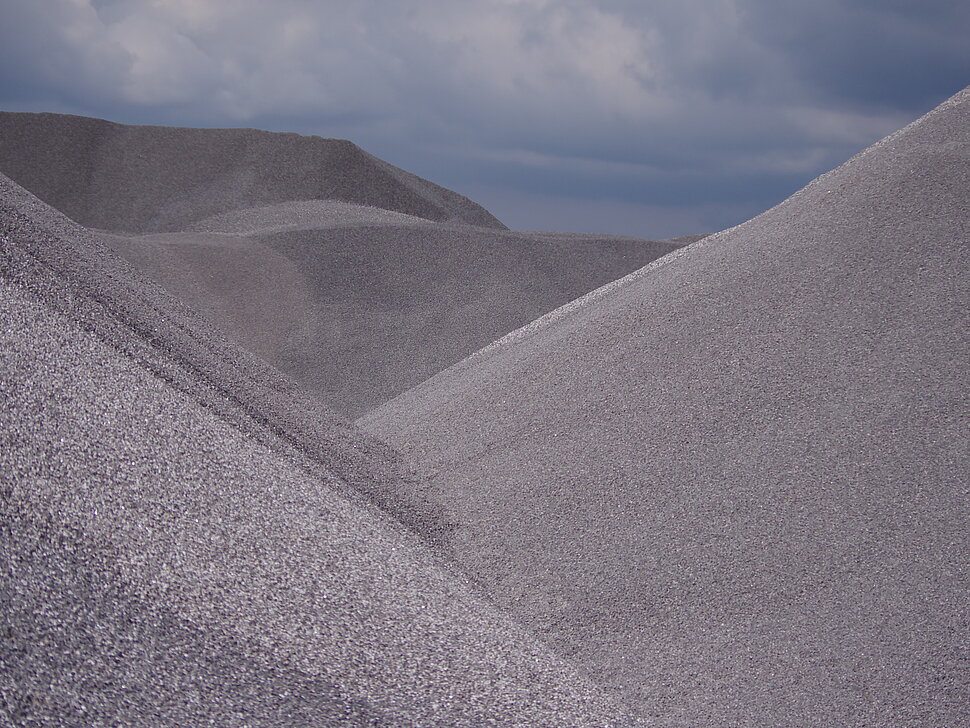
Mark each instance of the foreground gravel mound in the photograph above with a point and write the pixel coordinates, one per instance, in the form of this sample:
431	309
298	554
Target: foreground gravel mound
187	539
733	486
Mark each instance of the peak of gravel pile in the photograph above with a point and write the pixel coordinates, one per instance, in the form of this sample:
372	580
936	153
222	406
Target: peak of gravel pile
733	485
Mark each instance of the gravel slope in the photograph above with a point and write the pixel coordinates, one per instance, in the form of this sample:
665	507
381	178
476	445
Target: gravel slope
187	539
734	484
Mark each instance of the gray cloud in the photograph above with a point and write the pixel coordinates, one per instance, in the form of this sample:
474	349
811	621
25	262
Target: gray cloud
697	111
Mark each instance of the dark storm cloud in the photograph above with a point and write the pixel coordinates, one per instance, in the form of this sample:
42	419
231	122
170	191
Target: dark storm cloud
882	53
722	107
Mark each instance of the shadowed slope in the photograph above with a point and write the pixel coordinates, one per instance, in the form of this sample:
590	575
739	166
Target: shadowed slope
188	540
157	179
358	305
733	485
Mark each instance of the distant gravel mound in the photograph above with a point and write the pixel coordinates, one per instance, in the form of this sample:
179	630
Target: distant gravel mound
162	179
354	277
359	304
733	485
300	215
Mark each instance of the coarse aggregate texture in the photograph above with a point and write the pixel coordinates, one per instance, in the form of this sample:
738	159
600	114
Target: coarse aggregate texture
358	306
733	485
162	179
277	410
184	543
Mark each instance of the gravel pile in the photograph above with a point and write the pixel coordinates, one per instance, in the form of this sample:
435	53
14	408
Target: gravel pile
353	277
187	539
733	485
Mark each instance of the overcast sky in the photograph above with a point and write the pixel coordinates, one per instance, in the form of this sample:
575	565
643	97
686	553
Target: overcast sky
651	118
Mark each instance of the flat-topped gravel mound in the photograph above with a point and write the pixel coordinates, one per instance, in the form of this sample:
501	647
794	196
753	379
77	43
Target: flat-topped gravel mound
162	179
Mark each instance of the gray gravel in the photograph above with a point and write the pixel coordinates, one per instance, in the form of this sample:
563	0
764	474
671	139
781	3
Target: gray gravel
300	215
187	539
163	179
358	313
733	486
353	277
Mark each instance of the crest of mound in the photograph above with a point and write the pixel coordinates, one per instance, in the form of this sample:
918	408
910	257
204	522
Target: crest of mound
733	484
187	539
300	215
162	179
